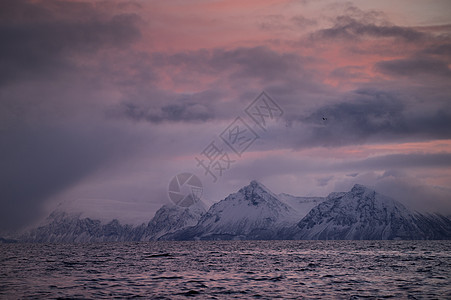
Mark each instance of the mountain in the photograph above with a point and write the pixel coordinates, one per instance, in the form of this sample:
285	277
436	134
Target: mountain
364	214
170	218
62	227
253	212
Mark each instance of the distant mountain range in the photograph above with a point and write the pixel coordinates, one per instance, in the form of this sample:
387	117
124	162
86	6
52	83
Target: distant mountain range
255	213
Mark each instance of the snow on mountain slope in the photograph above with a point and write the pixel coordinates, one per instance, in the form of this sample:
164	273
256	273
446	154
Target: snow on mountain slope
254	212
362	214
171	218
74	228
434	226
61	227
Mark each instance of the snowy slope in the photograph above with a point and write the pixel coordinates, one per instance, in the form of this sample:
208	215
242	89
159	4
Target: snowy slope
254	212
364	214
170	218
74	228
61	227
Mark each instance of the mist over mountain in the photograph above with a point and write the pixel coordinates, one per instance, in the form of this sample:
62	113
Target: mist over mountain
255	213
69	228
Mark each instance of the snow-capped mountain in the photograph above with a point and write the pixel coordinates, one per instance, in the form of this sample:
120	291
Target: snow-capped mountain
68	228
254	212
364	214
170	218
61	227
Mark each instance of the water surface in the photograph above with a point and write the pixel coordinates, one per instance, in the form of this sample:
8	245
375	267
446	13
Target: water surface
227	269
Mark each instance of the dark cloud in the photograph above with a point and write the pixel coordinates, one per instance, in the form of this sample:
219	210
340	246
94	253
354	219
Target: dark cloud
50	132
39	162
349	122
302	21
279	22
414	66
258	67
259	63
349	28
37	41
157	107
323	181
402	161
443	49
179	112
372	115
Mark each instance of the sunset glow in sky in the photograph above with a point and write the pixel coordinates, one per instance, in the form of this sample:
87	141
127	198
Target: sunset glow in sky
103	102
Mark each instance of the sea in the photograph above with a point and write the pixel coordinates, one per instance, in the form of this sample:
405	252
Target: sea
227	270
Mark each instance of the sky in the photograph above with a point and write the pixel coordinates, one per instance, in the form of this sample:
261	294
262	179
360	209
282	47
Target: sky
102	103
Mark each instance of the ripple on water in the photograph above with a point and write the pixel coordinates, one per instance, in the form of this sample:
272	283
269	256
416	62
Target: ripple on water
228	269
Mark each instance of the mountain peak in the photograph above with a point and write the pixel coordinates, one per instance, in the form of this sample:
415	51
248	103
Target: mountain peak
361	189
358	186
256	192
253	212
254	183
359	214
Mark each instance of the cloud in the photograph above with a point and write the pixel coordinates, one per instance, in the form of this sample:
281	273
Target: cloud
238	63
349	73
442	49
372	115
223	80
180	112
405	188
402	161
53	132
39	42
303	22
414	193
349	28
39	162
323	181
88	86
414	66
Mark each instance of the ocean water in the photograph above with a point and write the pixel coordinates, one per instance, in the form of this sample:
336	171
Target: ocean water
227	270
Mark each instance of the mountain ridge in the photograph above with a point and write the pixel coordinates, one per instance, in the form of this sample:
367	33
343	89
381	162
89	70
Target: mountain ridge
253	213
362	213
